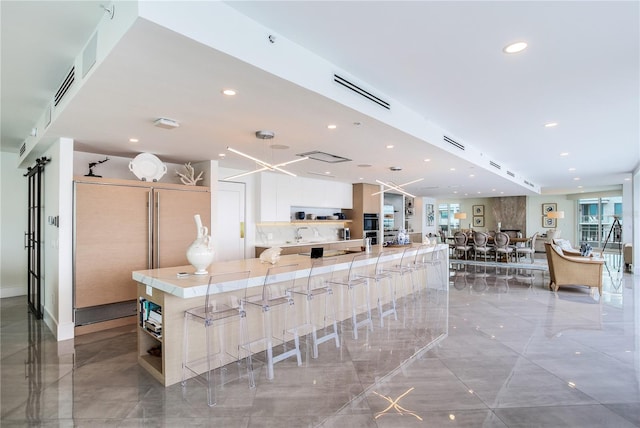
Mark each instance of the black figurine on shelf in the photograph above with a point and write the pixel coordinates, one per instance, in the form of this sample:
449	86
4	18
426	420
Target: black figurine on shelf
93	165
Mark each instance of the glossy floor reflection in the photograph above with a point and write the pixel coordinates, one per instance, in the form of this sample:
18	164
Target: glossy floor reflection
516	355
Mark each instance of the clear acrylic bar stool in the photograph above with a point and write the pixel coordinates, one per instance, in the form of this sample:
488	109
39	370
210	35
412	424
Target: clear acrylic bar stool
355	283
431	261
317	288
378	275
216	316
276	297
404	268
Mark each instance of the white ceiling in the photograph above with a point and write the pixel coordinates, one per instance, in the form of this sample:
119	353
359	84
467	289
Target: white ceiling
443	60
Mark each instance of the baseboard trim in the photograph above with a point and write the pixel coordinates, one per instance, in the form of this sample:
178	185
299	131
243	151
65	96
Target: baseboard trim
64	331
13	291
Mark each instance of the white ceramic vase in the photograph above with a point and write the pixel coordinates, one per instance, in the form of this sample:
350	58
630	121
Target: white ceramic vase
200	252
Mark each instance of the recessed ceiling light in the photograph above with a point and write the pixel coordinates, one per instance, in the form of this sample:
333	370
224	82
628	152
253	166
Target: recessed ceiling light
572	169
133	140
427	160
564	154
364	165
576	178
515	47
452	169
222	155
331	126
551	124
327	172
389	146
229	92
627	179
471	175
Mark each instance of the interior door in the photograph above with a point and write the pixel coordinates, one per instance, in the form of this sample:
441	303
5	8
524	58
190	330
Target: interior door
174	224
111	240
230	240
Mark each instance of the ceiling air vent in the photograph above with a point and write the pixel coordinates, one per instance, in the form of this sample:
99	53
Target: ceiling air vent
528	183
324	157
358	90
453	143
511	174
64	87
23	147
495	165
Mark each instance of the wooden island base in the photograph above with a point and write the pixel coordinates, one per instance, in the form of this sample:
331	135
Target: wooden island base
165	296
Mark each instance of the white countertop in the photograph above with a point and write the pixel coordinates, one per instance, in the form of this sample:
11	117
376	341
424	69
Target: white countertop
166	279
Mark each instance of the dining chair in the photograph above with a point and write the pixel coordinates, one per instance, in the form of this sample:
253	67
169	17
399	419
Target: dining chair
461	241
528	249
215	317
501	246
480	245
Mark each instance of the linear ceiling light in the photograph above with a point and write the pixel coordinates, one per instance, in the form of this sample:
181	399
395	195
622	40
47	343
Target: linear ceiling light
265	166
396	187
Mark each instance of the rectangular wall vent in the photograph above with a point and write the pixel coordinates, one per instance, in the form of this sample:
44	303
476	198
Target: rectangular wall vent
495	165
358	90
454	143
23	147
511	174
64	87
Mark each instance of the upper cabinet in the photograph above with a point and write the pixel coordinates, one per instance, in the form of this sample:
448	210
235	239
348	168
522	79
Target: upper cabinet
365	200
279	192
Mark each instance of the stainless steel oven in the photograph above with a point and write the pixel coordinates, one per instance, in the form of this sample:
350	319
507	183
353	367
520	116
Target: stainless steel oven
371	222
373	235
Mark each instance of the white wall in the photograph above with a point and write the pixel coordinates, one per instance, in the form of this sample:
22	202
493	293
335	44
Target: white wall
13	225
566	225
58	241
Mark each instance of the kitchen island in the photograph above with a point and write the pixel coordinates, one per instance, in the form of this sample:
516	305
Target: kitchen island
168	295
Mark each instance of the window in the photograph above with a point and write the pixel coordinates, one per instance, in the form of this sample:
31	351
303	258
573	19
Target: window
596	220
446	222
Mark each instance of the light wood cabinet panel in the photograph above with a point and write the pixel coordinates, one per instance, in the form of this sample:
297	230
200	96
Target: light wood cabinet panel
175	226
111	240
123	226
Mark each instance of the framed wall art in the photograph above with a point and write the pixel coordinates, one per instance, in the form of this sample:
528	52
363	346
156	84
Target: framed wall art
478	221
478	210
430	214
548	222
547	208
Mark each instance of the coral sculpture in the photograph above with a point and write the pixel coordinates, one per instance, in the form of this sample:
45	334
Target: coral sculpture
188	177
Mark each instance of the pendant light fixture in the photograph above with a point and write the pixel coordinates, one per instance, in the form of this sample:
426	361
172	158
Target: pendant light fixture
264	166
396	187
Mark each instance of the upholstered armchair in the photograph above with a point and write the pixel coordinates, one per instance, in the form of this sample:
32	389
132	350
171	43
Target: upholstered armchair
572	270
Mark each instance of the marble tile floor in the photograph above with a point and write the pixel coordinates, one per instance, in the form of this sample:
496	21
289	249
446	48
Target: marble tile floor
505	352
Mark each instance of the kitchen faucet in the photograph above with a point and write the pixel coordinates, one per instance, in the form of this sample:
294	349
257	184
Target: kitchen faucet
298	237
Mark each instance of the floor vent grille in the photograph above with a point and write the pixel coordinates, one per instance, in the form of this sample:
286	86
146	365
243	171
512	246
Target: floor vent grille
358	90
453	142
64	87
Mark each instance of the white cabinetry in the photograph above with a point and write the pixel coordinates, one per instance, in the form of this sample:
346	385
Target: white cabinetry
279	192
